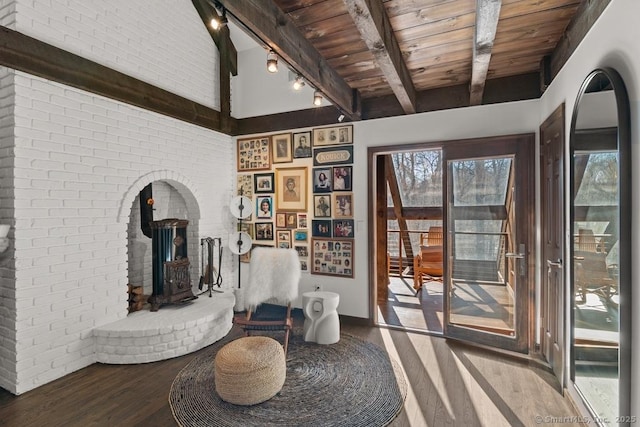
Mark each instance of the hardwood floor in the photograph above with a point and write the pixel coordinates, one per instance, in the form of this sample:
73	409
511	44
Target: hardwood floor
449	384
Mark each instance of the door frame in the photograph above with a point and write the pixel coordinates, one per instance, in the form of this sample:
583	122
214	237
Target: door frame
377	218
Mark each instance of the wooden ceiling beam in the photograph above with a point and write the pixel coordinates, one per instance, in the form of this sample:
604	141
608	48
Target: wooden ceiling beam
270	24
487	15
32	56
374	25
587	14
222	39
504	89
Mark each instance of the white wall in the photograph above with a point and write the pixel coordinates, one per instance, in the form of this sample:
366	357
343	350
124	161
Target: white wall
612	42
77	162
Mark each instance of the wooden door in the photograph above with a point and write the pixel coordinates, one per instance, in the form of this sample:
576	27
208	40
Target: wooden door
552	223
489	241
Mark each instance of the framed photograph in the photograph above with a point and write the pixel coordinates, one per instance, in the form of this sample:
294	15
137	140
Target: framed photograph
248	228
284	239
343	228
304	266
332	257
245	185
281	146
300	235
291	189
264	207
264	230
341	178
321	228
322	206
302	220
292	220
322	180
333	135
303	251
281	220
342	205
339	155
263	182
253	154
301	145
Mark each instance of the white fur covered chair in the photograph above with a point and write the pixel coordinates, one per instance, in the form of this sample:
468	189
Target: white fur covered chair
274	276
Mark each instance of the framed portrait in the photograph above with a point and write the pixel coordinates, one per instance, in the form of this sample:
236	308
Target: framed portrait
263	182
291	220
300	235
254	154
333	135
302	220
342	205
283	239
341	178
332	257
244	185
322	180
321	228
301	145
264	207
303	251
264	230
343	228
281	220
304	265
322	206
281	148
291	189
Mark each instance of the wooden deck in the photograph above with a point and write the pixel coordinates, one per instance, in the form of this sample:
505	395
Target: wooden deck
449	384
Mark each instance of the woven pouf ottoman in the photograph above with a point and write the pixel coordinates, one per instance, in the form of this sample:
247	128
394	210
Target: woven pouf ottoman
250	370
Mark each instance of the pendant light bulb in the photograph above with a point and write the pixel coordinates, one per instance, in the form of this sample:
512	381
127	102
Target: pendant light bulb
272	62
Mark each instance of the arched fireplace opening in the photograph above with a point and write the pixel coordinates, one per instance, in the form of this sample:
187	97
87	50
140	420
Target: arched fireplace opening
164	200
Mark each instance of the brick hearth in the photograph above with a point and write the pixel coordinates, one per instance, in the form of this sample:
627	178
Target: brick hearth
174	330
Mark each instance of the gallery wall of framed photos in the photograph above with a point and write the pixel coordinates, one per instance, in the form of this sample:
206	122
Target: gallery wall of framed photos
301	187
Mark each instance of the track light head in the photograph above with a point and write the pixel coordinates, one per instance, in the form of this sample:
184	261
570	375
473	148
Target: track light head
317	98
298	83
272	62
218	22
340	118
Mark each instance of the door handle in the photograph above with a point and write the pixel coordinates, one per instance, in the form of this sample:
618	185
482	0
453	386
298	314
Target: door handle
519	256
514	255
556	264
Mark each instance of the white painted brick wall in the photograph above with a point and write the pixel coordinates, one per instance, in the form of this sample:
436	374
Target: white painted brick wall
163	42
76	162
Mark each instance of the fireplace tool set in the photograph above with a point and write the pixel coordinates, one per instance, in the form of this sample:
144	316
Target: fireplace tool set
208	247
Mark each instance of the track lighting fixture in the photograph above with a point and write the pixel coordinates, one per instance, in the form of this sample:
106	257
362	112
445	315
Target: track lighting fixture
317	98
272	62
298	83
218	22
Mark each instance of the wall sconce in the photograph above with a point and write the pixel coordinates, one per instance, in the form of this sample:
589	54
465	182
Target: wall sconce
219	22
272	62
317	98
298	83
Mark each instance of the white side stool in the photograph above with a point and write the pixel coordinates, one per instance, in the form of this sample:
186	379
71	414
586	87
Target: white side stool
321	322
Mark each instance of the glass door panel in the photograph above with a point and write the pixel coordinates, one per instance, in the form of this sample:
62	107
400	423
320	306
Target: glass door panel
487	229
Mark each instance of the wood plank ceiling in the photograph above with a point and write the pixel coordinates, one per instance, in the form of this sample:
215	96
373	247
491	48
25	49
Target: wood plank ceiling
405	56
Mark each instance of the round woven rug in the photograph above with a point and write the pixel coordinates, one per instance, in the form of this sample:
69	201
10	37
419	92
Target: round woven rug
350	383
